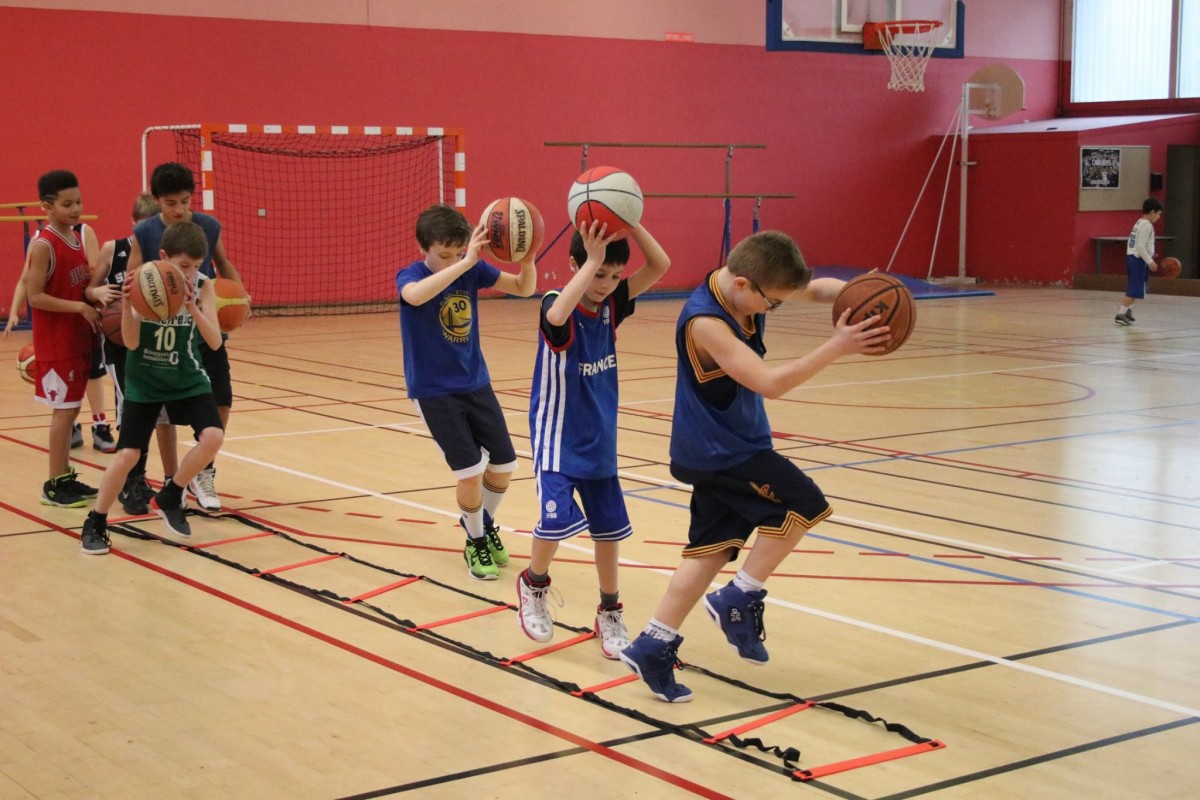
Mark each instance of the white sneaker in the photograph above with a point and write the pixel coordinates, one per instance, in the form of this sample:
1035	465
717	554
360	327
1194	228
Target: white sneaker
201	487
610	630
533	613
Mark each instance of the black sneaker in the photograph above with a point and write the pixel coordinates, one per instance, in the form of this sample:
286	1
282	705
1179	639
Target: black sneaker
80	488
1129	314
76	436
135	495
94	539
66	492
1123	320
102	438
174	516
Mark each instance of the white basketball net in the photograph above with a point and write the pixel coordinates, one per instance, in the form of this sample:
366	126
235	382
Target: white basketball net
909	50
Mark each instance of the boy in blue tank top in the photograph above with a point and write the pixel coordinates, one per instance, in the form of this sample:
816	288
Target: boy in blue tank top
573	424
721	445
448	380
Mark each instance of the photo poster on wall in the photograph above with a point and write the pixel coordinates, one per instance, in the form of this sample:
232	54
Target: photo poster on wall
1099	167
1113	178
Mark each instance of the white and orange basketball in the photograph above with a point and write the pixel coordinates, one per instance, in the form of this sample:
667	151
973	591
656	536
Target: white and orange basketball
26	367
514	229
607	195
233	305
158	290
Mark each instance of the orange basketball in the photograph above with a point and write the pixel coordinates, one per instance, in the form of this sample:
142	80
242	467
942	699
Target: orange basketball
158	290
882	295
233	305
110	322
1169	267
26	364
514	229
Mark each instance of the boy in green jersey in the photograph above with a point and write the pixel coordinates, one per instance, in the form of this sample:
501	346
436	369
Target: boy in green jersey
163	368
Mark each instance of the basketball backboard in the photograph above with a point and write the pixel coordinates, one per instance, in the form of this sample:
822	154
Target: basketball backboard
836	26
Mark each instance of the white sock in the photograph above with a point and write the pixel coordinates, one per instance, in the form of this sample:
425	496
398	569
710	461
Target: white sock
746	583
491	500
658	630
1122	309
474	520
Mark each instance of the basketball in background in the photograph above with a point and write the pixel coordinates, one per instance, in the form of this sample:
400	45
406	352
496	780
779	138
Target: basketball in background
233	304
1169	268
158	290
882	295
514	229
607	195
26	366
110	322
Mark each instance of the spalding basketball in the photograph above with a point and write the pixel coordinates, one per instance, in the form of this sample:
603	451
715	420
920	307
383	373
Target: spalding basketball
514	229
882	295
25	364
158	290
607	195
1169	268
233	305
110	322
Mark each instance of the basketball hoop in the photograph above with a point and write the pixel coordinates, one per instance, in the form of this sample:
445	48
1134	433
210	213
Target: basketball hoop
908	44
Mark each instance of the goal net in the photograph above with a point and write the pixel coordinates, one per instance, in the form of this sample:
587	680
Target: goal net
317	219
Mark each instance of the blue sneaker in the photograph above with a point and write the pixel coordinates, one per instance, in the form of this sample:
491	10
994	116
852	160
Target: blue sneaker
654	661
739	615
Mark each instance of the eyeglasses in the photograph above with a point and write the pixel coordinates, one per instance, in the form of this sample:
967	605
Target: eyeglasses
771	304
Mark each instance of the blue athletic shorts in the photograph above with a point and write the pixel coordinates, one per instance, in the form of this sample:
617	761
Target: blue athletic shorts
1138	272
562	518
767	492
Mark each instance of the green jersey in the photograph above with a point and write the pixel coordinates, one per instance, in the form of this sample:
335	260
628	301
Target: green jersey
166	364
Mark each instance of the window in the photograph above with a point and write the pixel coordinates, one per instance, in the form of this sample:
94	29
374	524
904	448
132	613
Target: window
1135	50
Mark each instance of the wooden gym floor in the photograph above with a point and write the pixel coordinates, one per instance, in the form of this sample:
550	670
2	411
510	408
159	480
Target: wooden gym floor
1012	572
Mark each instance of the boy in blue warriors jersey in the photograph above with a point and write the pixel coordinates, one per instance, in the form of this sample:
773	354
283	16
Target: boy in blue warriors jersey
448	379
573	423
721	445
164	367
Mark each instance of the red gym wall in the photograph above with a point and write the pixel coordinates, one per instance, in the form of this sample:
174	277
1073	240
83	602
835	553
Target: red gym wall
82	85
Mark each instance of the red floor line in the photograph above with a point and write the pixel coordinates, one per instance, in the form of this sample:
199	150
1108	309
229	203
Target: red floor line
483	702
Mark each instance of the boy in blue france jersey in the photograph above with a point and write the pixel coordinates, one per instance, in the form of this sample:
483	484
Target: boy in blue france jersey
721	445
573	424
447	377
164	368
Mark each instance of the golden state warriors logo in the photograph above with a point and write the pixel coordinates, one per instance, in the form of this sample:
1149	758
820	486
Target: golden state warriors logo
455	316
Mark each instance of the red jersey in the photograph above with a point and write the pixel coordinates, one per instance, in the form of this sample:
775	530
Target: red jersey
56	335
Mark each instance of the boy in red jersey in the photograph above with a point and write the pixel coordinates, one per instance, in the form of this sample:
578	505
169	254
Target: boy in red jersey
64	326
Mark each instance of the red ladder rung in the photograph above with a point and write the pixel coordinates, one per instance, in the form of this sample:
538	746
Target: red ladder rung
866	761
246	538
758	723
297	565
382	589
428	625
600	687
583	637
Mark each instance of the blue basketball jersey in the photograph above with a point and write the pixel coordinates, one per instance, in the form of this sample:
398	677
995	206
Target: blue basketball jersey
718	423
442	354
573	404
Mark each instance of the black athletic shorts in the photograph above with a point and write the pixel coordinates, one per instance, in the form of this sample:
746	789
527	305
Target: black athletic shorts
767	492
138	419
466	425
216	364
